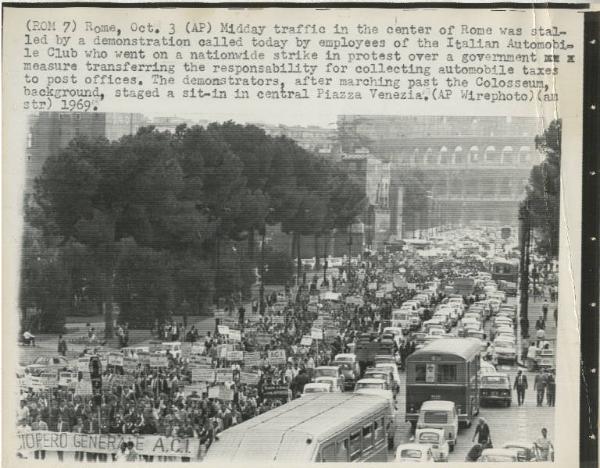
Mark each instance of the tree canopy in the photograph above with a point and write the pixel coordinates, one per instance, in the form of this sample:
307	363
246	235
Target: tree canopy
145	221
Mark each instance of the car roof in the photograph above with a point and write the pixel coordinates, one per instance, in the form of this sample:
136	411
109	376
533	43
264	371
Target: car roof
327	367
429	429
344	355
412	447
316	385
437	405
370	380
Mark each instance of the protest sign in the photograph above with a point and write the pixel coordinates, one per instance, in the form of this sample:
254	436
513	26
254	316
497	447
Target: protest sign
213	392
275	392
262	338
198	348
380	294
66	378
83	364
130	364
115	359
223	329
313	308
249	378
153	445
316	333
202	360
224	375
276	356
155	346
235	335
235	355
198	387
372	286
202	374
225	393
278	319
252	359
144	358
159	361
306	340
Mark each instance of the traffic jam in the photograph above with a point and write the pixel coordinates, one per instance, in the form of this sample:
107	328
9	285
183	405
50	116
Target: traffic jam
436	339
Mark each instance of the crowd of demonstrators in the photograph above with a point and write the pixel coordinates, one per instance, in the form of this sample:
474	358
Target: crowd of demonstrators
158	400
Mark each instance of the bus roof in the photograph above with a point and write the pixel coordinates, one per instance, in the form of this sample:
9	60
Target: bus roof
284	432
464	348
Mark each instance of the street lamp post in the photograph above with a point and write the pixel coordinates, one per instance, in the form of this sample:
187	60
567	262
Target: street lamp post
525	242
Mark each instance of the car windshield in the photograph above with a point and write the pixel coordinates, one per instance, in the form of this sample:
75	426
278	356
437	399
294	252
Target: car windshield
495	379
376	375
435	417
41	360
411	453
326	372
315	390
503	344
378	385
429	438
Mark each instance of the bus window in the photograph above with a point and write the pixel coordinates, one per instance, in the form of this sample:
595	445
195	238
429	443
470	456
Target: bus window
447	373
378	430
367	437
420	373
355	446
328	453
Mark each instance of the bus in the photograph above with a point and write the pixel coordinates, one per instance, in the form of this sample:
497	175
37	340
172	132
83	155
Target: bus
445	369
505	270
319	427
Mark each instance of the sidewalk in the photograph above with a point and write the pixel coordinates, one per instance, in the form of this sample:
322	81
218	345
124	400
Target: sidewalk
534	311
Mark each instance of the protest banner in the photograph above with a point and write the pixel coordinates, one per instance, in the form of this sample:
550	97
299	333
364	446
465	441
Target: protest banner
306	340
223	375
251	359
262	338
235	335
36	383
122	380
66	378
198	348
83	364
235	355
155	346
372	286
276	356
275	392
249	378
202	360
144	358
330	332
223	329
153	445
316	333
225	393
115	359
198	387
202	374
223	349
380	294
213	392
130	364
278	319
159	361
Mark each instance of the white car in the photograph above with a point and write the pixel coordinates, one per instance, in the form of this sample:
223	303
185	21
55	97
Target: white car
316	387
392	368
332	382
414	453
504	350
435	439
376	387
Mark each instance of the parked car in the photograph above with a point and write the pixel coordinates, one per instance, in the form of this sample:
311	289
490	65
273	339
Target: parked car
47	364
435	439
495	388
334	384
440	414
414	453
316	387
525	450
378	387
504	351
498	455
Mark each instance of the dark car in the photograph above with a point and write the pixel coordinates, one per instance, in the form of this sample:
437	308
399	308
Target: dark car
349	373
495	388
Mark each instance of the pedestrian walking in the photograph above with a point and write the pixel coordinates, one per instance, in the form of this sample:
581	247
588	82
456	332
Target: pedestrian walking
520	386
544	447
62	346
545	310
551	388
539	386
556	315
482	433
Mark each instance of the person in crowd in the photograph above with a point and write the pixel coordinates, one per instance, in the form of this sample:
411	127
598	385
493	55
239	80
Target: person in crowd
28	338
520	386
550	388
62	346
539	385
545	310
544	447
482	434
39	425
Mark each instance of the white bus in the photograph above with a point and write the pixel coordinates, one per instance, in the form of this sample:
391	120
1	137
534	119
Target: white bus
325	427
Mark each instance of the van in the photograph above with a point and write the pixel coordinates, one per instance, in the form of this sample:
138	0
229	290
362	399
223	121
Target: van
440	414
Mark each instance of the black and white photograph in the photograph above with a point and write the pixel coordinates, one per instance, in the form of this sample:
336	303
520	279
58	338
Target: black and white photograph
379	288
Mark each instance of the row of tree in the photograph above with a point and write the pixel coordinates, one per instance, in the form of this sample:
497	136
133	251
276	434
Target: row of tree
541	206
154	221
